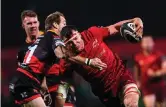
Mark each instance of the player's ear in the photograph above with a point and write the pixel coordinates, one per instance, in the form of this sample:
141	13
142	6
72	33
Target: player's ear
55	25
23	25
39	23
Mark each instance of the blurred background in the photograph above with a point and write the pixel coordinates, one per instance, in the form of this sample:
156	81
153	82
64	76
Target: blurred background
83	14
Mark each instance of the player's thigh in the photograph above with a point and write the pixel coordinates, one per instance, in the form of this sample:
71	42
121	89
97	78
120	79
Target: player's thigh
38	102
149	100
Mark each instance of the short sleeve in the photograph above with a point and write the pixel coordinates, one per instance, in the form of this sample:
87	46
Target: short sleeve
57	42
99	32
51	41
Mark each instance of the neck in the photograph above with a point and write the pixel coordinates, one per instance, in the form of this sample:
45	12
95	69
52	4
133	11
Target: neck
55	31
31	38
146	53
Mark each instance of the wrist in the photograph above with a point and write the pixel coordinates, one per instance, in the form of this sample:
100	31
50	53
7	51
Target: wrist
131	88
88	61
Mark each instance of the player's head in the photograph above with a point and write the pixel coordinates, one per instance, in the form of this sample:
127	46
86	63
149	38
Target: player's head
72	38
30	22
147	43
55	20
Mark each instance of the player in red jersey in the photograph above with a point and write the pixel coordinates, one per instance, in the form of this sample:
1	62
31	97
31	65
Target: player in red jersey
53	72
25	87
114	81
148	73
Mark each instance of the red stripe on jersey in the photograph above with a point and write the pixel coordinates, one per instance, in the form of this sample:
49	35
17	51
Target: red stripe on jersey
28	74
34	63
53	88
55	69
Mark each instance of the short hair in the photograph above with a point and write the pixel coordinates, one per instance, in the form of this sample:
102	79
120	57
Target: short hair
66	31
53	17
28	13
147	36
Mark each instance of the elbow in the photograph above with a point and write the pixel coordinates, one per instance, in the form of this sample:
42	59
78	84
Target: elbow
58	53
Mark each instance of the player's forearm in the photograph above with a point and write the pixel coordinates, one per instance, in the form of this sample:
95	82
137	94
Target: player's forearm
115	28
44	84
119	24
159	73
78	60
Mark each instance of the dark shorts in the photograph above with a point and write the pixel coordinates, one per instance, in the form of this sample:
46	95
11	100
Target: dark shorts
110	101
23	89
52	82
107	98
158	89
113	102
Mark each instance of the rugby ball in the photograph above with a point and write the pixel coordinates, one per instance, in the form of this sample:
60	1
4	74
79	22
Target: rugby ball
127	30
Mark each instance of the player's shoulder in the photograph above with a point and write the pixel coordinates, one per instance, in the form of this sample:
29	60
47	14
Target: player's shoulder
90	30
41	33
159	53
51	34
25	46
93	28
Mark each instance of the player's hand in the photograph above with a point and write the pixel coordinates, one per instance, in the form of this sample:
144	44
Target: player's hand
131	100
150	73
97	63
47	98
139	26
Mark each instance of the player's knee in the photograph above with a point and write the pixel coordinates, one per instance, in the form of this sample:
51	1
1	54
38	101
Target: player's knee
62	91
59	96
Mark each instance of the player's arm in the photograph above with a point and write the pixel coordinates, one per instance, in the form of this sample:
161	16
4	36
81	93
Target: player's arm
103	32
158	73
44	84
115	28
61	52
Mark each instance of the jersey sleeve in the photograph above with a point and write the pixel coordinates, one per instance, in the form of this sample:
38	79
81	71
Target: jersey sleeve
57	42
157	64
99	32
51	41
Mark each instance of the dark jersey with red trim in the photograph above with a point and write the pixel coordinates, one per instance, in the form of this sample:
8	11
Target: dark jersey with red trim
24	48
110	80
21	53
40	54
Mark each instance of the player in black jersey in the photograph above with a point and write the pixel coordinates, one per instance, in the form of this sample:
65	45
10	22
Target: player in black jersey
30	24
25	87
